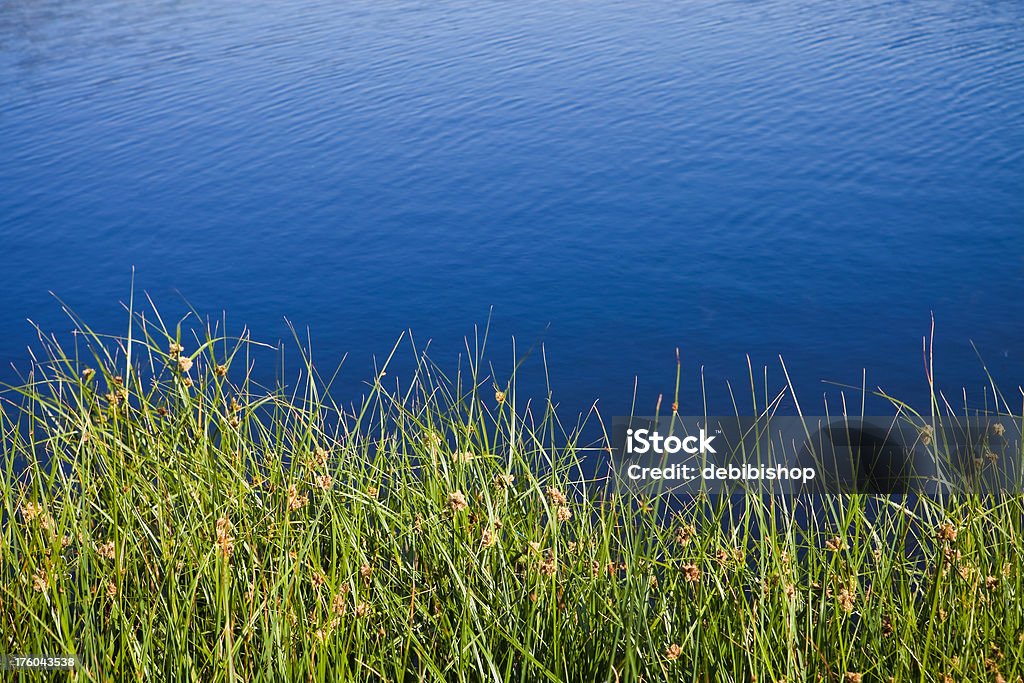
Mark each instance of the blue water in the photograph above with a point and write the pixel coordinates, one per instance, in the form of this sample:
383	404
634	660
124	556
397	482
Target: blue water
615	179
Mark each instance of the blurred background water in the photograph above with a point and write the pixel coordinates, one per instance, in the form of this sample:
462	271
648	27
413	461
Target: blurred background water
615	178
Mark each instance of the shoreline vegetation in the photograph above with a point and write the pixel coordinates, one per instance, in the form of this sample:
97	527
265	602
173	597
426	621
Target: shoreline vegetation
165	518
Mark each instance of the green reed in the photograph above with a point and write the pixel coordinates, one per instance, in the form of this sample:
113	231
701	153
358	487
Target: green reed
167	518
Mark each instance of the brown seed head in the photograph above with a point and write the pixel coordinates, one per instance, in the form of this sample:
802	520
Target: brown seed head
225	541
846	599
684	534
926	434
503	481
319	458
946	532
295	500
457	501
835	544
556	497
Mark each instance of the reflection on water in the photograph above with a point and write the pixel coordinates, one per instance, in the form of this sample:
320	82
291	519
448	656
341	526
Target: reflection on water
615	179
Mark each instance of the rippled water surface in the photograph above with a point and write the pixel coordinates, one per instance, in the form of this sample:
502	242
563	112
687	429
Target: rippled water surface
616	179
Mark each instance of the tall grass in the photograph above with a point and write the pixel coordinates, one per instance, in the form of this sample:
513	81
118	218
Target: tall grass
166	518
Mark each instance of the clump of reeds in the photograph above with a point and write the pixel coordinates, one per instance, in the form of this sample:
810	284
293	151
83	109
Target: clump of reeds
165	518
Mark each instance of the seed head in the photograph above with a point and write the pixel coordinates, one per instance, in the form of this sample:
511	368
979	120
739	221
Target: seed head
846	599
926	434
225	541
88	374
175	349
29	511
684	534
835	544
106	550
503	481
457	501
966	570
499	396
295	500
673	652
998	429
319	458
339	604
946	532
184	363
556	497
691	573
564	514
